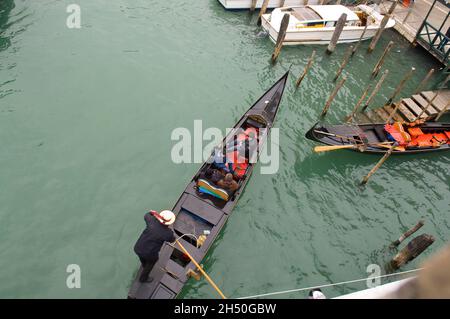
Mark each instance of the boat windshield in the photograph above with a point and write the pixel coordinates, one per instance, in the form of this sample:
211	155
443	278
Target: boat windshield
305	14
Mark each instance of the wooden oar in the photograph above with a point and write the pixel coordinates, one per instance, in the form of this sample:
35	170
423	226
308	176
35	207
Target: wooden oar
338	136
397	148
201	270
319	149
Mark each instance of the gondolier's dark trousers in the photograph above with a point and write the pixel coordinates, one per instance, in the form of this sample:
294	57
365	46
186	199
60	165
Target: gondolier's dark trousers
147	266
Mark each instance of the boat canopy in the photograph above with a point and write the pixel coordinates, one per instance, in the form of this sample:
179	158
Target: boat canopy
305	14
333	12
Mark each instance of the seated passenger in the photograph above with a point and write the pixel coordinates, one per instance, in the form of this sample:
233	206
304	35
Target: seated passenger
228	183
246	144
219	160
212	175
249	145
238	163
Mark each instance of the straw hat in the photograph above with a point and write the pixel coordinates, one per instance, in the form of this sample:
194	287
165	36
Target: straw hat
166	217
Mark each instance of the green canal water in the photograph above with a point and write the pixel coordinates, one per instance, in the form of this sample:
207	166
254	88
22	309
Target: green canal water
85	122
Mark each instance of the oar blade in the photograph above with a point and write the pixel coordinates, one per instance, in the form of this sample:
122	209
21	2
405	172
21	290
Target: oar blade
319	149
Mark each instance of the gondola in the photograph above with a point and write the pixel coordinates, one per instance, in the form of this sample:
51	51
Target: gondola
203	209
409	138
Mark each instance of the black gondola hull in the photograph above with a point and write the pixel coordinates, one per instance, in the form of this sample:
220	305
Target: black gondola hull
197	212
373	134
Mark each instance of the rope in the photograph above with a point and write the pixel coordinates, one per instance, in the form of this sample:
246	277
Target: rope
328	285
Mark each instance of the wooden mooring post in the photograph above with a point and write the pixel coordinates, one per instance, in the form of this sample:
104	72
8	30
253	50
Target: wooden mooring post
380	62
410	10
424	82
263	11
430	102
253	5
347	56
428	105
408	233
360	39
433	98
400	85
305	71
337	33
281	35
445	109
378	165
332	96
394	111
376	89
382	26
358	104
414	248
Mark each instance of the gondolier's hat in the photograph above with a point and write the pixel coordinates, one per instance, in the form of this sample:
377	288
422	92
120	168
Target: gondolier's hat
166	217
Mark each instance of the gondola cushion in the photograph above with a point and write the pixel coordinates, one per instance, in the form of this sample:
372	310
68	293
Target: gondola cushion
415	131
440	137
207	188
426	140
448	135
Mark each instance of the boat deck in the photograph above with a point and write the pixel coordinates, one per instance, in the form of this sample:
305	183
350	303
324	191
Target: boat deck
409	20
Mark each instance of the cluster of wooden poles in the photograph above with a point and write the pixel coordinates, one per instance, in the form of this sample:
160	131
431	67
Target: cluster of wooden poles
336	34
413	249
394	108
366	99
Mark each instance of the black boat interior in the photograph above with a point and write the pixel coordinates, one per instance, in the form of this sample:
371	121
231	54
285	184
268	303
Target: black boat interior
413	137
213	192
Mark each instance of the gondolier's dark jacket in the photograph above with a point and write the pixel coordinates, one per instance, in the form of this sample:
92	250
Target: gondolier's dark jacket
152	238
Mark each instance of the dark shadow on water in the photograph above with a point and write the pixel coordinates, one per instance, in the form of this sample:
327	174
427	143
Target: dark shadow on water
207	262
5	8
343	160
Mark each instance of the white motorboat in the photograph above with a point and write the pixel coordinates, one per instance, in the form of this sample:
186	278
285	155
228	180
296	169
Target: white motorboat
315	24
246	4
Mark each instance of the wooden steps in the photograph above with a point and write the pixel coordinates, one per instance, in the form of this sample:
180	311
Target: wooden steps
409	109
439	102
397	117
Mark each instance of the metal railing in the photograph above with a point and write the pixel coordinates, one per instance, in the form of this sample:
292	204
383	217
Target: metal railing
436	41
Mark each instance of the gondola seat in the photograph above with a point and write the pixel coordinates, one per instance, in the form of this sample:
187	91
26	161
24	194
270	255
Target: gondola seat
207	187
424	140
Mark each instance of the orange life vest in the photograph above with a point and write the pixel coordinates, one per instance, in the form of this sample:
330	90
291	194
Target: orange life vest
239	163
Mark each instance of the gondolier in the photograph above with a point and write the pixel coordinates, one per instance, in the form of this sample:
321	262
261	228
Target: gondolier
152	238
